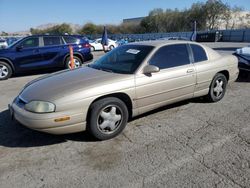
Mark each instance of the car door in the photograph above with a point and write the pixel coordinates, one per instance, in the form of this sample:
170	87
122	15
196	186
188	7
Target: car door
53	51
27	55
204	70
174	82
98	45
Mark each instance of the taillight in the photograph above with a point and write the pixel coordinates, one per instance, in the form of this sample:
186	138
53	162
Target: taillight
87	45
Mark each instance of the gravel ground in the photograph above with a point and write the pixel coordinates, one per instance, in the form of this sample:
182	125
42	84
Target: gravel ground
188	144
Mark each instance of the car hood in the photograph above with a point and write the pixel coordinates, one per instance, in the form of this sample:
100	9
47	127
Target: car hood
67	84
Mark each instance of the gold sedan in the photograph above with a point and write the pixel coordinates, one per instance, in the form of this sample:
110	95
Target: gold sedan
126	82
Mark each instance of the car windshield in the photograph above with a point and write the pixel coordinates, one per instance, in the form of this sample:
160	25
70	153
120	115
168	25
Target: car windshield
124	60
13	44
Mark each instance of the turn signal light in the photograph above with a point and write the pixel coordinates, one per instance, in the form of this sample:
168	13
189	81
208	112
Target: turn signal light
62	119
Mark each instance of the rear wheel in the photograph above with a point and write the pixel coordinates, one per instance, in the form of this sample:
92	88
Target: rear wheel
92	48
111	47
108	117
217	88
5	71
77	62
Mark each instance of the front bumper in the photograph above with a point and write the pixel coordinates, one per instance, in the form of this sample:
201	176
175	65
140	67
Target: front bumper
46	122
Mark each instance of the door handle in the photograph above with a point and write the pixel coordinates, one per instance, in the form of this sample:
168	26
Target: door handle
190	70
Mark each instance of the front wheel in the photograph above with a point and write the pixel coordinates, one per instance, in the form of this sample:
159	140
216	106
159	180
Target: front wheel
108	117
77	62
5	71
217	88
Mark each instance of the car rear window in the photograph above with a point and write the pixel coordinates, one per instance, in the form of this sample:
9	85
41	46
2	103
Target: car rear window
51	41
71	40
198	53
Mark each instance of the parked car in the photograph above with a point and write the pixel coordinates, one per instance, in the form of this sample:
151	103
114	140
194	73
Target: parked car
174	38
124	83
243	56
11	40
3	43
122	42
96	44
42	52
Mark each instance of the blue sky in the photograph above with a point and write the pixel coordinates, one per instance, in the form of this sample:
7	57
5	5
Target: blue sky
20	15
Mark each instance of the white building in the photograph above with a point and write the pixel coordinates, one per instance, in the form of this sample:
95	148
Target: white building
237	20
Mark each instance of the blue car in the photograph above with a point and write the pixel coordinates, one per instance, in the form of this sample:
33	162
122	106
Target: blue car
43	52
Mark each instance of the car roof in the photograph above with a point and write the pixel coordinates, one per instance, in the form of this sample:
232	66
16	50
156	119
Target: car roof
158	43
56	36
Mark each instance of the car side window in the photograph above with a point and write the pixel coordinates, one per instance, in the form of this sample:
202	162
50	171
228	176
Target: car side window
30	43
171	56
51	41
71	40
198	53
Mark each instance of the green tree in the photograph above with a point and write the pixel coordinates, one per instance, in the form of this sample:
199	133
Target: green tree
57	29
196	13
90	29
4	33
214	12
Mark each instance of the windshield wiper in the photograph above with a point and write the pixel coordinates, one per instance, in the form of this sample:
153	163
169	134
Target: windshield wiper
106	70
100	68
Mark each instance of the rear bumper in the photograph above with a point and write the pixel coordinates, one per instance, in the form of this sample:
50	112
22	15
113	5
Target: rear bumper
46	122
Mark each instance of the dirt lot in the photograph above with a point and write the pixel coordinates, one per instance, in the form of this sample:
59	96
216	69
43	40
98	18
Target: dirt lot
189	144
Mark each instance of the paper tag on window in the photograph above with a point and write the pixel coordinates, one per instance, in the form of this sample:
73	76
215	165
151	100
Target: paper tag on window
133	51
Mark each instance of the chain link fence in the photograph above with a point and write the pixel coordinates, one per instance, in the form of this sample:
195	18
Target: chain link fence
241	35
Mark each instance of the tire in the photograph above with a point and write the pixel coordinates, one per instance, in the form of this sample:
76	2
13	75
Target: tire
217	88
111	47
92	48
5	71
77	60
108	117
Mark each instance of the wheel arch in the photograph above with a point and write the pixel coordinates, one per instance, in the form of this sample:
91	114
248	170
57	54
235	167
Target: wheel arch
9	62
122	96
225	73
75	54
91	46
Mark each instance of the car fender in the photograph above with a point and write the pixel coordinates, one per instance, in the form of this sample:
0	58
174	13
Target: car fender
75	53
8	61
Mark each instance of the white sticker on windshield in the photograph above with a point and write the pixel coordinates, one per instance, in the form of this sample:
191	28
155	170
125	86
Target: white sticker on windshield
133	51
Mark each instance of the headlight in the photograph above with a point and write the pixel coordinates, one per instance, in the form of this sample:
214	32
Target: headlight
40	107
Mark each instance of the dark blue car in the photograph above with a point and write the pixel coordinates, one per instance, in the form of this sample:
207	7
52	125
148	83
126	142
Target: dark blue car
43	52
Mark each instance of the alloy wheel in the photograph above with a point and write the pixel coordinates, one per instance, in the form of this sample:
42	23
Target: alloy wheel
218	88
3	71
76	62
109	119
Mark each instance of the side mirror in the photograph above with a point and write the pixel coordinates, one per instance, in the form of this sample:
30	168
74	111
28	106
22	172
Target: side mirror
19	48
148	69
